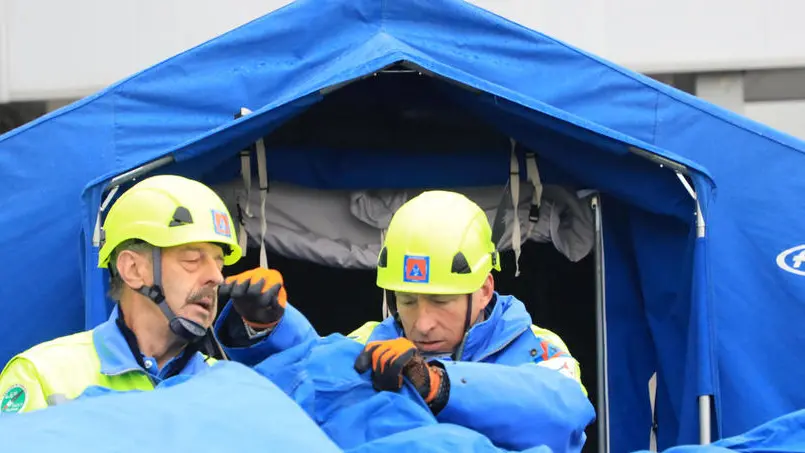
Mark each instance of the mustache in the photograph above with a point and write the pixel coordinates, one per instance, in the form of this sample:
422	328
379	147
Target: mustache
208	292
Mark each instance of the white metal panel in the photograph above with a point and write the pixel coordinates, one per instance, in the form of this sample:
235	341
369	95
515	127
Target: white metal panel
787	116
660	36
580	23
694	35
5	67
71	48
722	89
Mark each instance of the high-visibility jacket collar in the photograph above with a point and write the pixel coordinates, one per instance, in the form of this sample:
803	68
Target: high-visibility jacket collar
117	357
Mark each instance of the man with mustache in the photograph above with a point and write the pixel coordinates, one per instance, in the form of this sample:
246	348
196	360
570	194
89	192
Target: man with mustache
164	241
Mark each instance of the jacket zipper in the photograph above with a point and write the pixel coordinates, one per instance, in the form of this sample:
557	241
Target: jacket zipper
498	349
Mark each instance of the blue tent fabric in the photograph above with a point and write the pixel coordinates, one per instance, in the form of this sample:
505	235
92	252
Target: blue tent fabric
627	328
191	416
579	113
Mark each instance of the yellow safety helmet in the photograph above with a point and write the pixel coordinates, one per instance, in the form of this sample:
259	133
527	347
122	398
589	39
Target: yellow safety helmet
167	211
438	242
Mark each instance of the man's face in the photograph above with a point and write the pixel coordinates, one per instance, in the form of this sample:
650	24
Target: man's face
190	277
435	323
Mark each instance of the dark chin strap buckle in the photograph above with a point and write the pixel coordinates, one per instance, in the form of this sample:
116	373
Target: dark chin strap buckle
154	293
187	329
184	328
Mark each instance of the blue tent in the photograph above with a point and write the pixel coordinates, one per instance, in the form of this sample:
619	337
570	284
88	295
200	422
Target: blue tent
700	212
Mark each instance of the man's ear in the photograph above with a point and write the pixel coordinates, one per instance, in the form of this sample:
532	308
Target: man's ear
133	268
486	291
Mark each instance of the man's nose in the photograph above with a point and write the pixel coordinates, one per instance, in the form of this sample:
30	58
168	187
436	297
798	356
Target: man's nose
212	273
425	320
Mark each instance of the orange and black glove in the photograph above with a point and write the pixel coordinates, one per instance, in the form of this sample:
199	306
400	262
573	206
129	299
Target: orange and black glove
258	295
390	360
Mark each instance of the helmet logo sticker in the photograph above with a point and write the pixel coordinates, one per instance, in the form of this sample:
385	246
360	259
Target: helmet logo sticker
220	222
416	269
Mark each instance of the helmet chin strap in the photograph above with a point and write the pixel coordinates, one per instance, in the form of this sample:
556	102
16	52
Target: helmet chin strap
190	331
459	351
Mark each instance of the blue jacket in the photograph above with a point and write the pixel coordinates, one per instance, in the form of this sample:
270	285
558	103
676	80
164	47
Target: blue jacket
116	355
535	400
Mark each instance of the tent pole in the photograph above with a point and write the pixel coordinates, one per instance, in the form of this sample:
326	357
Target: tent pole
662	161
139	171
601	334
704	419
704	400
113	185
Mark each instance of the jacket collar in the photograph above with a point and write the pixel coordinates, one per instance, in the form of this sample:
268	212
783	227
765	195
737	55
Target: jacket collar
506	318
117	357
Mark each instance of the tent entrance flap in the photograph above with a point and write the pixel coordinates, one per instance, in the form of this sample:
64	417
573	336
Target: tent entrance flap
699	313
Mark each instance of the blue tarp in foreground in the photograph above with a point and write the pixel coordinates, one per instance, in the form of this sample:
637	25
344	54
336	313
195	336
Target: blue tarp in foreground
228	408
194	415
712	316
231	408
782	434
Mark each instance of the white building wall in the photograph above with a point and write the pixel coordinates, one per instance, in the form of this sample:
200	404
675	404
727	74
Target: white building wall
658	36
787	116
68	49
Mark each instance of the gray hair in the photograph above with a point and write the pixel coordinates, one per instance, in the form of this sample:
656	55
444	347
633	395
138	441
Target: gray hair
116	283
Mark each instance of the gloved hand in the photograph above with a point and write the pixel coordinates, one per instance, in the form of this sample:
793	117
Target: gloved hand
258	295
390	360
